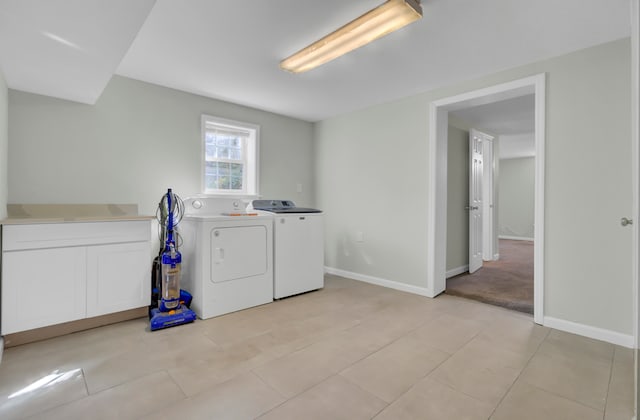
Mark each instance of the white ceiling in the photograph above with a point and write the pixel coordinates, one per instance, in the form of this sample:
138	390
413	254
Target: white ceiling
230	49
513	120
511	116
66	48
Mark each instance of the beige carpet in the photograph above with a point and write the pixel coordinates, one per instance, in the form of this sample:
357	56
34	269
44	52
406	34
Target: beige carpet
507	282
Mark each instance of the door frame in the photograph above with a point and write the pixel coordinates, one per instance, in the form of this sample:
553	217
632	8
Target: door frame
437	185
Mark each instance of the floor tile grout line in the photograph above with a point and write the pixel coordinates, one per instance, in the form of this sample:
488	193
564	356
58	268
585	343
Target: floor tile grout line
387	404
378	349
267	384
307	345
606	398
351	364
54	407
176	383
600	360
449	385
520	373
84	380
458	390
415	383
546	390
450	355
172	379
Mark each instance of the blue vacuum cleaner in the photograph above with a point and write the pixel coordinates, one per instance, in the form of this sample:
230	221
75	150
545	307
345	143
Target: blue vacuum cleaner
172	303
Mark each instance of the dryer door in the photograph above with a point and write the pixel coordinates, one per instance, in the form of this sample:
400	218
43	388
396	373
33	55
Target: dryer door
238	252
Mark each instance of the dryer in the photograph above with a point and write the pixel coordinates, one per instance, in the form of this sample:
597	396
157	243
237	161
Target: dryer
227	256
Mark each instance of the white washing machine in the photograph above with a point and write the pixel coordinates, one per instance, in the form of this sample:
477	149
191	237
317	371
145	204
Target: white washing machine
227	256
298	246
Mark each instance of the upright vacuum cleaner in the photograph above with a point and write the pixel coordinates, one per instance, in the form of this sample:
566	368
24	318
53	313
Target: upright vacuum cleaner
169	308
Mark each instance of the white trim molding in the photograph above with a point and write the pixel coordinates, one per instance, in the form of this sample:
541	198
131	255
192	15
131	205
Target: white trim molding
458	270
613	337
515	238
437	181
403	287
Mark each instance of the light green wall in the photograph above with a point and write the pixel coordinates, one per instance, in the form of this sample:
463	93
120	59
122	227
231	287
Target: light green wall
457	198
4	146
516	189
138	140
372	177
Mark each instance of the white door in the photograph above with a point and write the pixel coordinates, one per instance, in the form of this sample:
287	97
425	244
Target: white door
475	200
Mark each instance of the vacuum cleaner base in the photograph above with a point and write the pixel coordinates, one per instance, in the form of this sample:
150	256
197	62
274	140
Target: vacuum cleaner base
182	315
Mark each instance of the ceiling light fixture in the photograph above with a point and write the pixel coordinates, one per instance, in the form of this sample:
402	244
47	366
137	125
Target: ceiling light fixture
376	23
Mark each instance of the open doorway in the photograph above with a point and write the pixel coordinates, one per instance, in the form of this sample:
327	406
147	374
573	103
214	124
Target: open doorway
491	203
438	148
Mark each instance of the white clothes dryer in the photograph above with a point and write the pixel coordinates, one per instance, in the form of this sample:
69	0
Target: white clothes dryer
227	256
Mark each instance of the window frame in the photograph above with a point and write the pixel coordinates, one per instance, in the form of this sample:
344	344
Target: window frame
251	168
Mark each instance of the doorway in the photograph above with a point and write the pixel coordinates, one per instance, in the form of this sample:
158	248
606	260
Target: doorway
438	142
490	253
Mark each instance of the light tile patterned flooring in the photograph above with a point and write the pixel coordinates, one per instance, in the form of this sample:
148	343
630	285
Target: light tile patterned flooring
350	351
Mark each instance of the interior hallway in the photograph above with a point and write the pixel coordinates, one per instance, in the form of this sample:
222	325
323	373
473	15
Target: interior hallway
352	351
507	282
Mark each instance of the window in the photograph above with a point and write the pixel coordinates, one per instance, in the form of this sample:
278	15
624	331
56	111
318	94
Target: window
230	157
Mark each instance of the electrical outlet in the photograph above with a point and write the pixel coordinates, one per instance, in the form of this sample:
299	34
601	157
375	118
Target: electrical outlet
298	188
359	237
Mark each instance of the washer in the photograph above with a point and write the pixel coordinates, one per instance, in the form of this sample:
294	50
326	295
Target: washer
298	246
227	256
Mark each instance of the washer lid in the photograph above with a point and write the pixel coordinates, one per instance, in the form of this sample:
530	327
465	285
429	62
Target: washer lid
281	206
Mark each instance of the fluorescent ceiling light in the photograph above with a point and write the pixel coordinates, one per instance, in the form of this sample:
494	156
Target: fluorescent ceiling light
376	23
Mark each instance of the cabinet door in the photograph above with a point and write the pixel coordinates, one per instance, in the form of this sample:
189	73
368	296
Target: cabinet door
42	287
118	277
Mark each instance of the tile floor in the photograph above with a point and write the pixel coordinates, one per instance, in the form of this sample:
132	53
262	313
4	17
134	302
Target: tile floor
350	351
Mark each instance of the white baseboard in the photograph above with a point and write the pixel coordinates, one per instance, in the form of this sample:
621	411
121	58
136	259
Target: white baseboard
515	238
609	336
403	287
458	270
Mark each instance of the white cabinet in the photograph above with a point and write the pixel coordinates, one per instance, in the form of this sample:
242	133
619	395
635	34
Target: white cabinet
59	272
